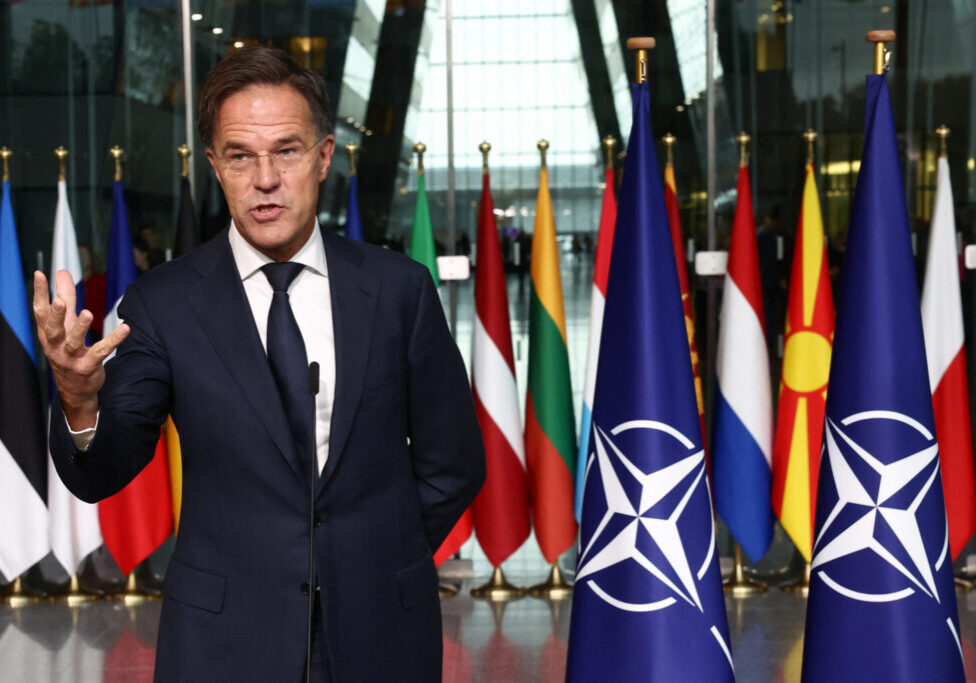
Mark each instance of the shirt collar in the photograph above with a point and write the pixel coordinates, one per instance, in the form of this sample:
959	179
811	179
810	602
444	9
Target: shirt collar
249	260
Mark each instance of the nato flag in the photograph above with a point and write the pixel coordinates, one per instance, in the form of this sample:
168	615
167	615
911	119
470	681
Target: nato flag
648	602
882	605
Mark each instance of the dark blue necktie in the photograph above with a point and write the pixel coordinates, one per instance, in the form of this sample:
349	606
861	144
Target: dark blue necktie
289	363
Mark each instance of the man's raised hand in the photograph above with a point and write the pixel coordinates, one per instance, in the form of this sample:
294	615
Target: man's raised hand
77	368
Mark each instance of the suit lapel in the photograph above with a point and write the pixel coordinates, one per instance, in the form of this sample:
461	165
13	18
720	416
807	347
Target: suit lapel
353	293
220	306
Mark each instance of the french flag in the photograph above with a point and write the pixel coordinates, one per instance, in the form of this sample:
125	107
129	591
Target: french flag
601	272
742	436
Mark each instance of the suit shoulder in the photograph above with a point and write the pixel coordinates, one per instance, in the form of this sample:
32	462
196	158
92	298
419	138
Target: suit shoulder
389	264
182	271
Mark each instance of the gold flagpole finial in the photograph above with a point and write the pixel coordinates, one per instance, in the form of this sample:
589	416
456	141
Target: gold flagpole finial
642	45
609	143
543	146
184	152
419	150
5	154
810	135
352	149
743	140
669	141
942	131
116	153
881	55
62	154
484	148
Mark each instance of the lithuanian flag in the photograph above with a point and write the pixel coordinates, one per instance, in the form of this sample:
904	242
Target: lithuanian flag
550	431
806	365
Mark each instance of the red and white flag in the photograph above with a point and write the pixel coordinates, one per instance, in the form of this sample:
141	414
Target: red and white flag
944	335
501	510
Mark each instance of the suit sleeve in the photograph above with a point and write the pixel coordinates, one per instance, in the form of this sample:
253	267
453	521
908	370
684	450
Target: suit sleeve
133	404
445	439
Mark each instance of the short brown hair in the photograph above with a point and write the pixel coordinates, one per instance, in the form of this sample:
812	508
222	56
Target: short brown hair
257	65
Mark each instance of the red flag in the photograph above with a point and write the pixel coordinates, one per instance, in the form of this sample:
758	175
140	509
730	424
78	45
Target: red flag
501	510
137	519
458	536
942	325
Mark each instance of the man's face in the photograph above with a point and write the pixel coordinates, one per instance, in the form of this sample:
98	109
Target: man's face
269	161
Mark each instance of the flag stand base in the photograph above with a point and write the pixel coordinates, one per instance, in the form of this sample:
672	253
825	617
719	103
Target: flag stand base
963	585
132	594
556	587
446	590
18	597
739	585
75	596
498	589
801	586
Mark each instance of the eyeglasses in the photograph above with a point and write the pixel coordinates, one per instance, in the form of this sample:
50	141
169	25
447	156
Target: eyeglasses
284	160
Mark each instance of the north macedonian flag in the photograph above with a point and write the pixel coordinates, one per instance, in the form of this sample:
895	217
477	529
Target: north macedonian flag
550	432
803	387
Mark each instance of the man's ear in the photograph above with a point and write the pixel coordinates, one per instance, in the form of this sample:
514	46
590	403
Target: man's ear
324	157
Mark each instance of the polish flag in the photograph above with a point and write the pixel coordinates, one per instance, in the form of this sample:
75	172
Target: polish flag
944	335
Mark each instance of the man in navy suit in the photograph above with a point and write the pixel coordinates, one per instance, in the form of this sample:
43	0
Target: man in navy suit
219	339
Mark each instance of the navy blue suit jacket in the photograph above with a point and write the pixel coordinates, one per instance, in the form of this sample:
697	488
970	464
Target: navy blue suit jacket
405	459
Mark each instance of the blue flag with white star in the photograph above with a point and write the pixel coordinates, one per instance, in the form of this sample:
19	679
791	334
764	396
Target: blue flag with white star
882	604
648	601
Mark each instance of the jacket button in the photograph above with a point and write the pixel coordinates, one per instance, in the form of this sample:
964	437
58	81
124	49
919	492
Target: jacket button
74	458
305	588
317	521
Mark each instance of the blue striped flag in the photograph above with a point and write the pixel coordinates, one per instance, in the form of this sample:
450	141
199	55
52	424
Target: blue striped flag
742	436
354	223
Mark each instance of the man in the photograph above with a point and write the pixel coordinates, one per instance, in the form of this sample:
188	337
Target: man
211	339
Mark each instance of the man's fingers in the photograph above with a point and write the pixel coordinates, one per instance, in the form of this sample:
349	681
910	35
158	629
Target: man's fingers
75	337
54	322
102	349
65	285
42	299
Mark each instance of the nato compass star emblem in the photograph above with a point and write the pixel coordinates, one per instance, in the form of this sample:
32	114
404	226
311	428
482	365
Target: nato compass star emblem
644	511
878	501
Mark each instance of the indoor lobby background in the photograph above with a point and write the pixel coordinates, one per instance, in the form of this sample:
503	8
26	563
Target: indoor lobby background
90	74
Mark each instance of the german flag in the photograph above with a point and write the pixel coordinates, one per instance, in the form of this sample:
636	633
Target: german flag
806	365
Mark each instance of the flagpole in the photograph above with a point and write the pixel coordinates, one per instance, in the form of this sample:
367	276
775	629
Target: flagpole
18	596
131	594
801	585
352	149
75	596
738	584
5	154
497	589
556	587
184	152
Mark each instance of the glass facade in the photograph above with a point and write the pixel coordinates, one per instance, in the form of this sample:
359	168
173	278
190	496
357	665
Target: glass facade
89	74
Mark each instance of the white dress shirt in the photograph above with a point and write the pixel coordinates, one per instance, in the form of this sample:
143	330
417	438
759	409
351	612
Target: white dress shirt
311	303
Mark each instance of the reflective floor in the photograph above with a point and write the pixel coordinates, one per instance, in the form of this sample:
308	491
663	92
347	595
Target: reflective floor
524	640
